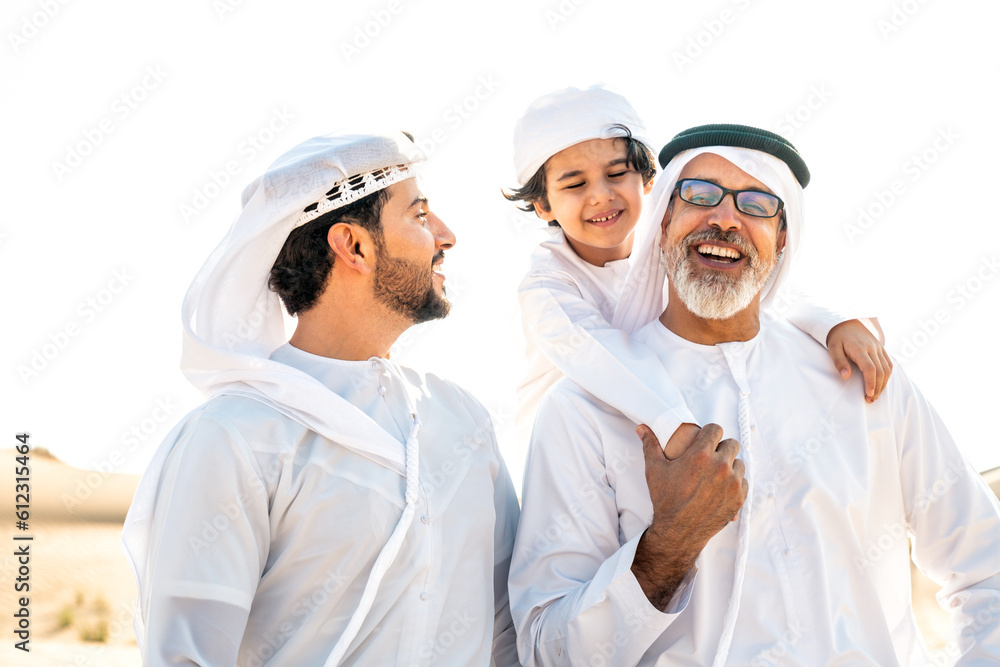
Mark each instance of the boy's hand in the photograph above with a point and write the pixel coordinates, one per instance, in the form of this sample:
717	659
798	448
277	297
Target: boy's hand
852	341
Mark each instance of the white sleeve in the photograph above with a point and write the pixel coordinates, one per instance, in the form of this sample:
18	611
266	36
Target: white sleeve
581	343
210	537
816	320
504	530
955	521
573	594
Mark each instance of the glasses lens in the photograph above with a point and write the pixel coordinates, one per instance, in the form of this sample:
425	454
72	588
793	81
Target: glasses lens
759	204
701	193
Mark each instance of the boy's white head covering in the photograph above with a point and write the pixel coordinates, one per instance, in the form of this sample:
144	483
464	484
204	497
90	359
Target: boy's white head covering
644	295
233	322
567	117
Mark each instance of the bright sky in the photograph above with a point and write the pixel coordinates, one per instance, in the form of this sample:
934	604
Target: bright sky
131	128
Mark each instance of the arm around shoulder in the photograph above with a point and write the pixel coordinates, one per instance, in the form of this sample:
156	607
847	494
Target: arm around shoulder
576	337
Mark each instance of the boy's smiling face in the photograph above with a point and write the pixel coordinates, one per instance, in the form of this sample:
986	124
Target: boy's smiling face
596	198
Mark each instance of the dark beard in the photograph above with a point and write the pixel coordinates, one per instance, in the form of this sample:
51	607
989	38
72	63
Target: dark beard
407	287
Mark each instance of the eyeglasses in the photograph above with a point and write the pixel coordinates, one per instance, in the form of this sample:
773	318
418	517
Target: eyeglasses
751	202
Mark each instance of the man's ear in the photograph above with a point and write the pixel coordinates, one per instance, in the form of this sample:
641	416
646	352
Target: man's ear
666	223
353	247
667	215
781	239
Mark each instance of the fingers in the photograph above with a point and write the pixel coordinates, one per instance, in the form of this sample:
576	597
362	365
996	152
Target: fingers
850	342
740	469
680	440
729	448
650	445
869	361
870	371
877	367
840	361
881	376
708	438
884	372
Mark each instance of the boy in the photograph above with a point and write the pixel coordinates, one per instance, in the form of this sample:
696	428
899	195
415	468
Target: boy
583	165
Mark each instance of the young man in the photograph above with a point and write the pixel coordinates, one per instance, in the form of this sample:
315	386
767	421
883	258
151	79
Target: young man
325	506
627	559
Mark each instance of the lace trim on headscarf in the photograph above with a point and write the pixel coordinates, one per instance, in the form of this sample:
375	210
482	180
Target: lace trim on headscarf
354	188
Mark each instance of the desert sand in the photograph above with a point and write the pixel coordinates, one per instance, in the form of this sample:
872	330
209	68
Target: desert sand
82	595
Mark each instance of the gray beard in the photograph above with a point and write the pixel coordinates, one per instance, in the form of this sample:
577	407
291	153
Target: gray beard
709	294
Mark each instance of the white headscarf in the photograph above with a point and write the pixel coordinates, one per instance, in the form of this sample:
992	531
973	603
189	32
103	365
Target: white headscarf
644	293
567	117
233	322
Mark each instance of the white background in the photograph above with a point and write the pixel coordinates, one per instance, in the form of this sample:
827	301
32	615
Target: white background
861	88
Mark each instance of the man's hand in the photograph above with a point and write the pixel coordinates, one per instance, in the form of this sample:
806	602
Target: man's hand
679	442
693	497
852	341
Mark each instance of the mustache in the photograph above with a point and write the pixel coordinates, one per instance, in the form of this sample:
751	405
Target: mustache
438	257
713	234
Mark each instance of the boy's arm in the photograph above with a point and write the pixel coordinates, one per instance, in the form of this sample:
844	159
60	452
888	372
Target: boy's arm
582	344
847	339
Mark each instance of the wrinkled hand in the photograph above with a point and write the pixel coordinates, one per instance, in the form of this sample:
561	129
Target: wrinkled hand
693	498
679	441
852	341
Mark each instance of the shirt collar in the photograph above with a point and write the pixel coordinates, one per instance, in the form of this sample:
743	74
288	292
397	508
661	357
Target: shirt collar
656	334
338	375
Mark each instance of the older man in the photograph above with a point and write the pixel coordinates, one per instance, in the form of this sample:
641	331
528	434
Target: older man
624	557
325	506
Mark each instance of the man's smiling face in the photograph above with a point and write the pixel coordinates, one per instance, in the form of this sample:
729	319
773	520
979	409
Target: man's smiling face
717	257
407	275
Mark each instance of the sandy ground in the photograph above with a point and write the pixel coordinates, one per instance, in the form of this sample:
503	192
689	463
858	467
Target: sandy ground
81	585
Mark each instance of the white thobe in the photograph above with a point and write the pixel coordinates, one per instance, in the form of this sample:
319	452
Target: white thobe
567	305
839	486
264	533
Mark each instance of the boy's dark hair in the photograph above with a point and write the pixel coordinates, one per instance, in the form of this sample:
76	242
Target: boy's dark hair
637	154
303	265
